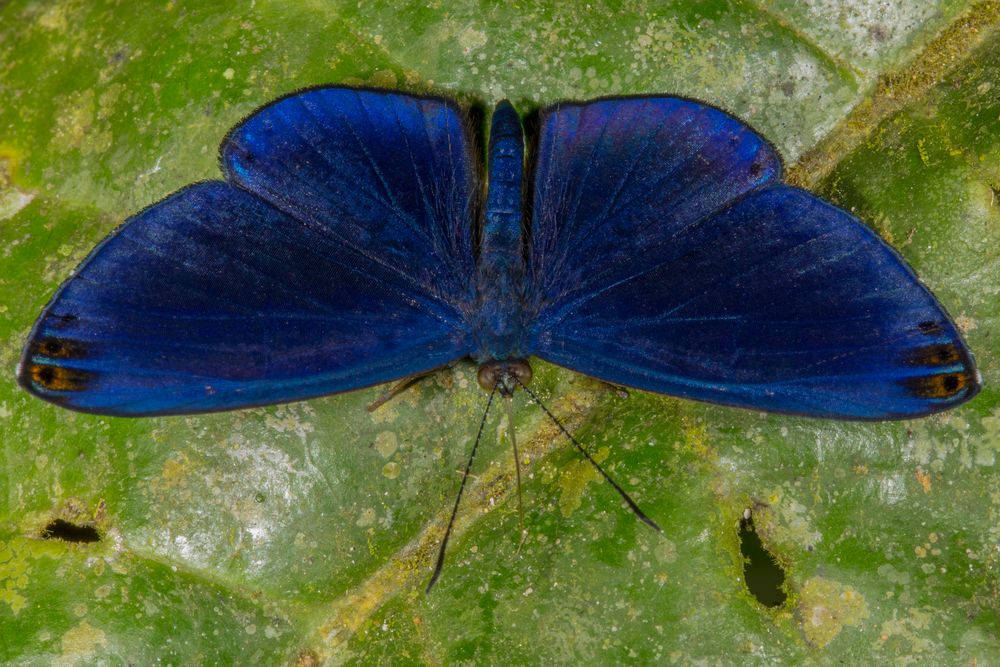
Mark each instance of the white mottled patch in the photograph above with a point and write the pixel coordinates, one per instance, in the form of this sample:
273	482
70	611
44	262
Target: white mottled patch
289	419
805	80
184	548
12	201
862	31
366	518
965	323
794	523
152	170
665	551
934	443
891	488
471	40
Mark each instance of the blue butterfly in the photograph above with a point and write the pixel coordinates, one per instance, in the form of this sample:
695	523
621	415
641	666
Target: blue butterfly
649	242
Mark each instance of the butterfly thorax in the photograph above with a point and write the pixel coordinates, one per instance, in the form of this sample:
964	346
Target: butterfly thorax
500	276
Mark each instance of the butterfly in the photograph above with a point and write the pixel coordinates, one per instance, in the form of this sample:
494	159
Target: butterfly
647	241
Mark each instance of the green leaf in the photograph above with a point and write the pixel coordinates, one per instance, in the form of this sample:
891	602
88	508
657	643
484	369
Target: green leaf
305	533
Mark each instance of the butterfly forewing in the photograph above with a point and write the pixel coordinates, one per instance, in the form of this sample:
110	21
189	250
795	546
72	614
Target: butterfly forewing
667	256
340	258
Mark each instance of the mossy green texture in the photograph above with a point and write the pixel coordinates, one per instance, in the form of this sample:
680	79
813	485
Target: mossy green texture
305	533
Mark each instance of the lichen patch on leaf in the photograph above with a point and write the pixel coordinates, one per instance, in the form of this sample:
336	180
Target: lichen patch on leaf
80	643
826	607
386	444
14	572
909	628
793	522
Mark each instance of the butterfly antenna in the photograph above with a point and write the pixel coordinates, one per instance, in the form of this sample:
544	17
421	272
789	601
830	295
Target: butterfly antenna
509	400
458	499
631	503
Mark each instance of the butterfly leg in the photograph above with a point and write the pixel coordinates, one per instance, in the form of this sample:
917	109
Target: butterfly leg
399	388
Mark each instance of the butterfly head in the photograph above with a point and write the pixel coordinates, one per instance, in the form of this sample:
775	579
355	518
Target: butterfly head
504	375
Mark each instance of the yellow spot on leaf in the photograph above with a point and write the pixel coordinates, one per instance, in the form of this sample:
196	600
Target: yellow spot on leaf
924	479
696	438
54	18
175	471
574	479
307	659
923	152
384	78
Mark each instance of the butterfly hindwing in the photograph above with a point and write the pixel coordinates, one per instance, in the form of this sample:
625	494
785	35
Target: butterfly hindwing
773	300
217	298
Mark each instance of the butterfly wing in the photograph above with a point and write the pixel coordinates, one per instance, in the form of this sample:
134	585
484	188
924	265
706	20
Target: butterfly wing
723	284
338	256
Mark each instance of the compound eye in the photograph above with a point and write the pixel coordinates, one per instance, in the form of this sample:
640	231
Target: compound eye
521	370
488	376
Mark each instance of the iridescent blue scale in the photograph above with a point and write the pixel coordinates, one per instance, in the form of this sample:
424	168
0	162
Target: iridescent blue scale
344	248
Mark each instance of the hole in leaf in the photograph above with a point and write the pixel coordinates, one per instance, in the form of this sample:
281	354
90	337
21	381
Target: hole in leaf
761	571
70	532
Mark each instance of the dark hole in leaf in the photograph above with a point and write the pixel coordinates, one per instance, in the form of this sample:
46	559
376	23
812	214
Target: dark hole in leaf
70	532
761	571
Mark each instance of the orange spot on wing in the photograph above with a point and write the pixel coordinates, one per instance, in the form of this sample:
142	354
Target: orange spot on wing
59	378
943	385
